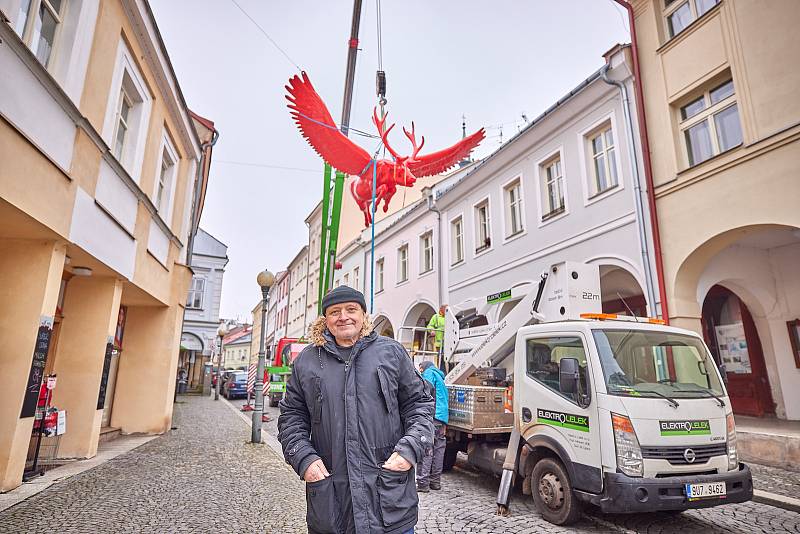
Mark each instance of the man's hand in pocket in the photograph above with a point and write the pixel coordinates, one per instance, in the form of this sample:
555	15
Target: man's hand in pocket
397	463
316	472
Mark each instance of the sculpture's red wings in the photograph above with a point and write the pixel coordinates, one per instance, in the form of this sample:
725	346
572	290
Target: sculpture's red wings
441	161
317	126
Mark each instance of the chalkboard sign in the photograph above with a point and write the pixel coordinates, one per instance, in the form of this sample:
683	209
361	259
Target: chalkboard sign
36	375
101	396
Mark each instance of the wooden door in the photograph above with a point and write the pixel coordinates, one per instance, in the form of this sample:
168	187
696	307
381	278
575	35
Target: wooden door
731	335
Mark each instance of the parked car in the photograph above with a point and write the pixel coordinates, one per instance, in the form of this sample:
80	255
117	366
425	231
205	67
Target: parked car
226	374
235	385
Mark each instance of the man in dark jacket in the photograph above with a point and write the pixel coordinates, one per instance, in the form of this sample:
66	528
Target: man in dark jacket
355	420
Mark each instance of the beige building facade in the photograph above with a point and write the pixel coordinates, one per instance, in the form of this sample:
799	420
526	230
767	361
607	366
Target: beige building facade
98	199
296	306
722	103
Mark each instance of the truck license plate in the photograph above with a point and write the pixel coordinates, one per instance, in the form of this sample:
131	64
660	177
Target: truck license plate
705	491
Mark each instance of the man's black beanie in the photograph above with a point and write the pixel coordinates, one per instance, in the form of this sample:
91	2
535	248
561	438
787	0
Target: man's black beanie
343	294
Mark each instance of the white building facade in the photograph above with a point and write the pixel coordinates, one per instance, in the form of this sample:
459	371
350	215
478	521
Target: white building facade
565	188
407	257
199	339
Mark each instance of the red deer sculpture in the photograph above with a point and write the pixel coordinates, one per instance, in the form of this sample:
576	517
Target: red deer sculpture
317	126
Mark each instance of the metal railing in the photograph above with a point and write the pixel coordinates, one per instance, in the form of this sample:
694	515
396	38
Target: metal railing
426	350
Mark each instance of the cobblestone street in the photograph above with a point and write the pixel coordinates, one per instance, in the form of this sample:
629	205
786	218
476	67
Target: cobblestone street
203	477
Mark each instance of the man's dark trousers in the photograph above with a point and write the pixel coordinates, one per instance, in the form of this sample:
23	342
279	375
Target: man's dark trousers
431	470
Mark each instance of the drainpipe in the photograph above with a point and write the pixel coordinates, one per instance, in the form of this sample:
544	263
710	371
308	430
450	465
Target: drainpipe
428	192
648	166
637	187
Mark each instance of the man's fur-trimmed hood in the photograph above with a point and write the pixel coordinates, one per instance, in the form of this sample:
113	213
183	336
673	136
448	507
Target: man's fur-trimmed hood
316	332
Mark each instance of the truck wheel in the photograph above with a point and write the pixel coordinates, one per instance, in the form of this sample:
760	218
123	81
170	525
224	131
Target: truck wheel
450	455
552	493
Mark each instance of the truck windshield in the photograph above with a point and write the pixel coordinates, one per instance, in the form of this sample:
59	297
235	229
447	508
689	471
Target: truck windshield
641	363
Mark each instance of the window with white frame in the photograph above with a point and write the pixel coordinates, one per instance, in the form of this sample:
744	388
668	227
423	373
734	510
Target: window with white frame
710	123
38	24
126	123
603	160
679	14
513	207
426	252
483	229
379	275
166	172
346	279
355	278
402	264
457	240
124	106
196	292
128	113
552	187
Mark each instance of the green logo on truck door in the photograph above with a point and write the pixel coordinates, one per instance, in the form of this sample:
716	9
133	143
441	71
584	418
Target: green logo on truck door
566	420
684	428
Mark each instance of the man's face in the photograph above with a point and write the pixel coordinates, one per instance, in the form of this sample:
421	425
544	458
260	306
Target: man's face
442	309
344	320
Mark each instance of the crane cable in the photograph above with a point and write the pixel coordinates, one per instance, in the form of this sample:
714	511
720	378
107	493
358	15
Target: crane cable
380	88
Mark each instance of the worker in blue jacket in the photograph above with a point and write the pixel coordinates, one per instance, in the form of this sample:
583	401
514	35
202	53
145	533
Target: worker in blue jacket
429	476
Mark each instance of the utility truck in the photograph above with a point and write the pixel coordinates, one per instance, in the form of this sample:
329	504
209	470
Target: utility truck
623	413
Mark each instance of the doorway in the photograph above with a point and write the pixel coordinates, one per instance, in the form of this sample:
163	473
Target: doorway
731	335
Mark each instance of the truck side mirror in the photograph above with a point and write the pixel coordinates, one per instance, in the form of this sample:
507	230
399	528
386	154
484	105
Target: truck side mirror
568	375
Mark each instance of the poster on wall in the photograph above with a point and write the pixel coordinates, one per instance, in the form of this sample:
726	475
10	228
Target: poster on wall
36	374
733	348
101	395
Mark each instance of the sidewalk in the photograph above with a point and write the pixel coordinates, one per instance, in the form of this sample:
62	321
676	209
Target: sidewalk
777	487
202	477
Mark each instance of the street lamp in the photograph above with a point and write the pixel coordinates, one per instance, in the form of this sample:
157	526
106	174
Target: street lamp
265	280
222	331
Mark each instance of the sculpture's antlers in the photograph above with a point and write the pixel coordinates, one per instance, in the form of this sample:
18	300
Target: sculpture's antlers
413	138
379	123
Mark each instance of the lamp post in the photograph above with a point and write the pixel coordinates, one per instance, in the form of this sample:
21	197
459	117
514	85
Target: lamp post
265	280
222	331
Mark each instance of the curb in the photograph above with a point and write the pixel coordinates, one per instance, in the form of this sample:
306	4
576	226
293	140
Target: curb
778	501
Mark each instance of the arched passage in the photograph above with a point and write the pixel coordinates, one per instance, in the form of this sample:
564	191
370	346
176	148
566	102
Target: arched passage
413	335
621	292
740	289
732	336
190	359
383	326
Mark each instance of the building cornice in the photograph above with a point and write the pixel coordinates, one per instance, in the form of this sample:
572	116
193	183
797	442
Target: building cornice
155	53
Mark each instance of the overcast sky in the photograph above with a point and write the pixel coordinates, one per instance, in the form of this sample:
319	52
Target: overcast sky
491	61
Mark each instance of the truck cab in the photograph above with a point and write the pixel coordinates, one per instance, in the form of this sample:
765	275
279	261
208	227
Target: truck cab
621	412
633	416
